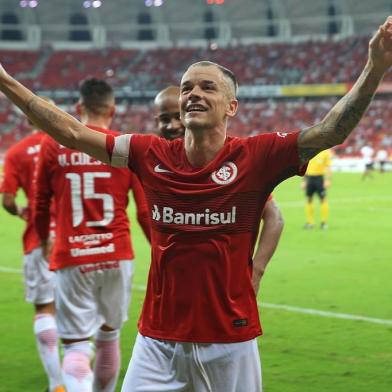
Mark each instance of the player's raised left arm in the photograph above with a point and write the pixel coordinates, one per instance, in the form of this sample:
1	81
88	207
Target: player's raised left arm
345	115
60	125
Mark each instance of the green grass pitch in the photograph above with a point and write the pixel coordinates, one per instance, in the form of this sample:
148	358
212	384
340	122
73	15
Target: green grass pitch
346	269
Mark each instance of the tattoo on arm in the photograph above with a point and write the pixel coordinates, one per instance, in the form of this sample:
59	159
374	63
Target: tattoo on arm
42	113
351	114
341	120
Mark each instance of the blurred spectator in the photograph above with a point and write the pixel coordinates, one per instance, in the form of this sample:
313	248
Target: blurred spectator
252	118
150	71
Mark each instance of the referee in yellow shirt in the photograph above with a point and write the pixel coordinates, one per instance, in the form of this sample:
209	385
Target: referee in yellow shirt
317	180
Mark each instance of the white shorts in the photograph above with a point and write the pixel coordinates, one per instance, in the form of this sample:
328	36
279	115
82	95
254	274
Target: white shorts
39	281
91	295
165	366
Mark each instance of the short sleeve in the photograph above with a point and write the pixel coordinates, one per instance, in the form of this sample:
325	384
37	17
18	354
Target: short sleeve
275	156
130	150
117	148
139	151
11	181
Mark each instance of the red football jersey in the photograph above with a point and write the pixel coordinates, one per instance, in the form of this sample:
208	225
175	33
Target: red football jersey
91	198
204	227
19	170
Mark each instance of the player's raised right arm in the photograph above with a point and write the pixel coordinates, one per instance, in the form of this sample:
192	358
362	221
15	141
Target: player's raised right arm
61	126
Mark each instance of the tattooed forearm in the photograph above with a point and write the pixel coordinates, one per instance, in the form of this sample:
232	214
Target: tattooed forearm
349	110
60	125
351	114
342	119
40	114
52	120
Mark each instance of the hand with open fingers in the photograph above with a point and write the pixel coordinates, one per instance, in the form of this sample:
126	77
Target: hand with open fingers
380	46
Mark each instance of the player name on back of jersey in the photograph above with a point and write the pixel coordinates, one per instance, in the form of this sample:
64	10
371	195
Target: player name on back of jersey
76	158
77	252
89	243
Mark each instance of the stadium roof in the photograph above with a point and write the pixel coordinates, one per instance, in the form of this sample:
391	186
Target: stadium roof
174	22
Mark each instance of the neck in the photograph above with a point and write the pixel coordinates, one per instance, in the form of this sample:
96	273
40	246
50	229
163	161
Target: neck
96	121
202	146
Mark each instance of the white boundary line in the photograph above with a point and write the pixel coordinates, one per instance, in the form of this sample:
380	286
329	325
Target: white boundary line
287	308
313	312
336	201
11	270
323	313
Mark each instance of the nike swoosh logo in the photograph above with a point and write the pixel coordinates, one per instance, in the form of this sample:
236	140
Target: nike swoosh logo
158	169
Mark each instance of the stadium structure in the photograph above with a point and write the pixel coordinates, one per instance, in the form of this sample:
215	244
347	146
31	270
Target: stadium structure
293	58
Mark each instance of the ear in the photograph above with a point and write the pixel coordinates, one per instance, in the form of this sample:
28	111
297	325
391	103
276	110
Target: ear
232	107
78	109
112	111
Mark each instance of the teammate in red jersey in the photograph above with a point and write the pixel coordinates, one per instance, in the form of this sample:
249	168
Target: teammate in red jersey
19	171
170	127
92	253
206	192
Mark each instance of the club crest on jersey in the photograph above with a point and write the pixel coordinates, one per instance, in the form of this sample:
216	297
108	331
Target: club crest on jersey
281	134
226	174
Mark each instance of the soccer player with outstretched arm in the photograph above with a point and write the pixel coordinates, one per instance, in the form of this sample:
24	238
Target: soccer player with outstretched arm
170	127
199	322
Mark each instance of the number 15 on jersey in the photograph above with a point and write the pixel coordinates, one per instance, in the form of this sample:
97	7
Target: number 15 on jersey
83	188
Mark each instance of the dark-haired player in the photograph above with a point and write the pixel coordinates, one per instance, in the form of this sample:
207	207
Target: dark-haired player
199	323
92	254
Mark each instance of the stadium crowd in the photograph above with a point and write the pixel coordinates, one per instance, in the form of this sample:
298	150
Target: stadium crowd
279	63
275	64
253	118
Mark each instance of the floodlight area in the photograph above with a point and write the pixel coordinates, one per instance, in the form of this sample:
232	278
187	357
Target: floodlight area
28	3
92	3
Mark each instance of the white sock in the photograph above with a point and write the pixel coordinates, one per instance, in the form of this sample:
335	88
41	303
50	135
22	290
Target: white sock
77	373
107	360
45	331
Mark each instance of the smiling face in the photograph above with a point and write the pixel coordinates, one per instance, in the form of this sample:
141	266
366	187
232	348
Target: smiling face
168	113
206	98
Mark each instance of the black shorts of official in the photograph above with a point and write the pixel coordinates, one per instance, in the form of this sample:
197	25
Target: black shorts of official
315	184
369	166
